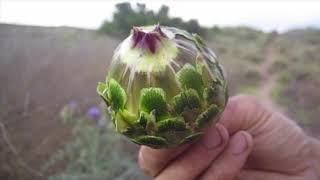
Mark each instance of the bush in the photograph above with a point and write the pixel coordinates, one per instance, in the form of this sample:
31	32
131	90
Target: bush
96	151
253	75
278	66
126	17
285	78
254	58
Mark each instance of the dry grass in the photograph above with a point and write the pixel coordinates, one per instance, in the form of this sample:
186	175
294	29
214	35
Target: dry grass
42	69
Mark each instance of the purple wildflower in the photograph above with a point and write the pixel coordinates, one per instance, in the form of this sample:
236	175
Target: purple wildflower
73	105
94	113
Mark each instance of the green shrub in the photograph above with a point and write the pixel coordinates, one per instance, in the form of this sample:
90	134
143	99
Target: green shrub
254	58
278	66
96	152
253	75
126	17
285	78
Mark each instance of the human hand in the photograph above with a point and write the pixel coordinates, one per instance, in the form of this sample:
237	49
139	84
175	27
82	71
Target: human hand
263	145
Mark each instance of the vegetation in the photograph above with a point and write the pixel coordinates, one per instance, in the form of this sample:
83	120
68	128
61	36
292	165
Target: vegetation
126	17
241	52
96	151
299	80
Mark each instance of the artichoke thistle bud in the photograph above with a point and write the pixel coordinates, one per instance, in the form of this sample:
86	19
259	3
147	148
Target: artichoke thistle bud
164	87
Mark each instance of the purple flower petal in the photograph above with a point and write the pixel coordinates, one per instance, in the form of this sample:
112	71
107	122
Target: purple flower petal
94	113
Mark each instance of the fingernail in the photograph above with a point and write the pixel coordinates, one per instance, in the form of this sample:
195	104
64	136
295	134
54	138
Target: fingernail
212	139
239	144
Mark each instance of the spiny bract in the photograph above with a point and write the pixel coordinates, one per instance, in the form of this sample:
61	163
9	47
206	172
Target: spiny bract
164	87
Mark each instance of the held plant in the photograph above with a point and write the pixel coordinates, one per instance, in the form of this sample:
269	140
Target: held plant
164	87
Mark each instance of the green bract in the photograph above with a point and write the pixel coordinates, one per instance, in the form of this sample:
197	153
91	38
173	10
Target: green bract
164	87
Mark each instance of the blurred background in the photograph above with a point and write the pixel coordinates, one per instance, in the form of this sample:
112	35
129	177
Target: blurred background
53	53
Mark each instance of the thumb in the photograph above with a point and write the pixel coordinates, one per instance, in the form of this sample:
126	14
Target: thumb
229	164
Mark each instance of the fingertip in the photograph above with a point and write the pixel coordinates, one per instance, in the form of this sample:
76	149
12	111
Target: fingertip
241	143
215	136
223	131
233	158
198	157
249	139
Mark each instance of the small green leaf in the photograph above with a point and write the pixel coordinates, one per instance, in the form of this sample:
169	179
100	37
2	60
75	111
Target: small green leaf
183	34
101	89
151	126
134	131
128	116
143	119
191	138
205	117
189	77
153	99
203	68
226	93
218	72
199	42
116	95
121	125
210	93
152	141
215	94
188	99
174	137
172	124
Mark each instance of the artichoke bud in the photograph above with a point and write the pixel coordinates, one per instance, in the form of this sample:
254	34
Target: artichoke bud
164	87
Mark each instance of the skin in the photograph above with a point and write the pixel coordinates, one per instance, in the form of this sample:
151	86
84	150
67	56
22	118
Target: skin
250	142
